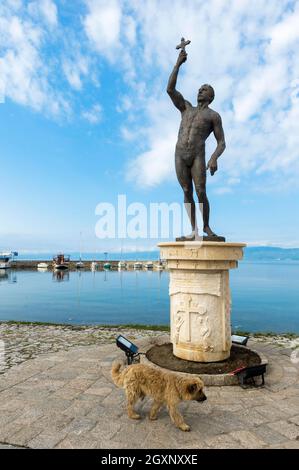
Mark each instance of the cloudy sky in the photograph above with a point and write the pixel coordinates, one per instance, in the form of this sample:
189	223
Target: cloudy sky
84	115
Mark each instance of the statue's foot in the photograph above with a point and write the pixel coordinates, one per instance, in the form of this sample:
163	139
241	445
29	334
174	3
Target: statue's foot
209	232
211	236
188	238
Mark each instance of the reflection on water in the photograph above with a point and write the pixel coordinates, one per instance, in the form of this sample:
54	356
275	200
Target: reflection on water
87	297
61	276
265	296
6	275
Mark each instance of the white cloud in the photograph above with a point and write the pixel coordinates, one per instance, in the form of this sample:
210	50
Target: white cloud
46	9
93	115
74	70
23	70
223	190
15	4
284	33
130	30
233	181
102	25
128	134
125	104
155	165
248	53
247	49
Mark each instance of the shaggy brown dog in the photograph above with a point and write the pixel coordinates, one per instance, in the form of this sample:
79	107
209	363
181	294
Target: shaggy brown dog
168	388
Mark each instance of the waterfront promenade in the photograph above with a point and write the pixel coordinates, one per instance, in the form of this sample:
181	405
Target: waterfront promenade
64	398
86	264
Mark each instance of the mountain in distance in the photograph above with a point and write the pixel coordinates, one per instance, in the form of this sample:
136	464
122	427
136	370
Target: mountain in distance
270	253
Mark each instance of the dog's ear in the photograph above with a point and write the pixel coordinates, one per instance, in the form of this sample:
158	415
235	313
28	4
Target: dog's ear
191	388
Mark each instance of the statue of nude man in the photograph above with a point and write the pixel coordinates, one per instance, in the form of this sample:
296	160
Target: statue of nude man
196	125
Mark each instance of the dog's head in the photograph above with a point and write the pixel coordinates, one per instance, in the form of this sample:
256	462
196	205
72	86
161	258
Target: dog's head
194	390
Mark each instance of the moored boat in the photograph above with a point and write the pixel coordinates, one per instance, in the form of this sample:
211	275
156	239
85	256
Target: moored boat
137	265
122	265
159	267
61	262
106	265
94	266
148	265
6	258
42	266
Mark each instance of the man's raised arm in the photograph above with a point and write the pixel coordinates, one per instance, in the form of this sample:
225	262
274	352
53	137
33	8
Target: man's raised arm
176	97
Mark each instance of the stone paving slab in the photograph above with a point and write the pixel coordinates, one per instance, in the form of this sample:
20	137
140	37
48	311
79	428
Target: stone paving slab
28	341
66	399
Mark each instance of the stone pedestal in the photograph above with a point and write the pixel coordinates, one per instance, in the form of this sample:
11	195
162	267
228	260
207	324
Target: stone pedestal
200	297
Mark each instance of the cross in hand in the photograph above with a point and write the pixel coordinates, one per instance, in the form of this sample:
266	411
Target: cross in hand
183	44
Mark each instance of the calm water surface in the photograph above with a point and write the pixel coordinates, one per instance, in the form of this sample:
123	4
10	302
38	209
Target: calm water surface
265	297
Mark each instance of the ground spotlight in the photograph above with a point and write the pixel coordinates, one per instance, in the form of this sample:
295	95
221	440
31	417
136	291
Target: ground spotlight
246	375
242	340
130	349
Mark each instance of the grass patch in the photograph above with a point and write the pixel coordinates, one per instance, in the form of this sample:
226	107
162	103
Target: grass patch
138	326
134	326
269	334
241	333
38	323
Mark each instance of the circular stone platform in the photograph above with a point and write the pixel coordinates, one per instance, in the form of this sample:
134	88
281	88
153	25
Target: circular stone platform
213	373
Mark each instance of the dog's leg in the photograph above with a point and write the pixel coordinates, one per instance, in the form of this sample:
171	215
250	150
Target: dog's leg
131	400
177	418
155	409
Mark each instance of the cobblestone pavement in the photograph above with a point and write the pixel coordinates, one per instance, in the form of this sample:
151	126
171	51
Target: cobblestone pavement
66	399
27	341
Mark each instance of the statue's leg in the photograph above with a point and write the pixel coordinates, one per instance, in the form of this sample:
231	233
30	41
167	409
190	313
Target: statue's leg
183	172
199	176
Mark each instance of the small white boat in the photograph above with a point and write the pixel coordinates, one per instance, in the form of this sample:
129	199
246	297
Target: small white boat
107	266
137	265
80	265
6	258
159	267
94	266
148	265
42	266
122	265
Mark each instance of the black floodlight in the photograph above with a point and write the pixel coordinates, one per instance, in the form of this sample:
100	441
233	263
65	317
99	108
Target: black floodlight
246	375
130	349
242	340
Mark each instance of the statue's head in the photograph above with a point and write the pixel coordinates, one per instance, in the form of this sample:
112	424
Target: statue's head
206	94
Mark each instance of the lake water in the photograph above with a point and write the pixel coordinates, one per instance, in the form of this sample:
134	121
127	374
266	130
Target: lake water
265	297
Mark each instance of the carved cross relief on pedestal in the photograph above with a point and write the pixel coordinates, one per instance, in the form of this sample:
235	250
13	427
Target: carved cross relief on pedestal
186	311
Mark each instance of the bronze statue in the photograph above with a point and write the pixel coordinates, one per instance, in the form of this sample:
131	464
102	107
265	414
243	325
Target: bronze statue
196	125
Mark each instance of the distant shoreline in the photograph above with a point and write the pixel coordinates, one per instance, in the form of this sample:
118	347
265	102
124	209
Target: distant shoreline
251	253
86	264
22	264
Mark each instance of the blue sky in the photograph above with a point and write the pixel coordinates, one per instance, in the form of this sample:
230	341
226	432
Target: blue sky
84	115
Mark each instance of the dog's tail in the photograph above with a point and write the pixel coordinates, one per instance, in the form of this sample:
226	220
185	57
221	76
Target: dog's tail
117	376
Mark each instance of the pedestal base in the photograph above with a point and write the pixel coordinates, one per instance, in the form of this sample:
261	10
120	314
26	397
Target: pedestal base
200	297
